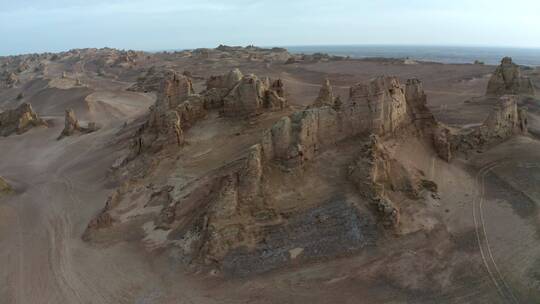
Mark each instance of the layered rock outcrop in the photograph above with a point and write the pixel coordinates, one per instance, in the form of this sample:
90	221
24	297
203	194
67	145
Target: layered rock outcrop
5	188
326	97
508	80
379	107
217	87
506	120
19	120
239	95
72	126
251	95
176	108
417	105
381	179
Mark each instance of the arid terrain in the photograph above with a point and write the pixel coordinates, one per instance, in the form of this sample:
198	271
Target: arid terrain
251	175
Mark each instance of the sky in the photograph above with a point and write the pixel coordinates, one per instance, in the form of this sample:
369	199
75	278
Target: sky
30	26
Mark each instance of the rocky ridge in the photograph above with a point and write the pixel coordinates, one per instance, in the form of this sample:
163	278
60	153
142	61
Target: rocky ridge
232	208
229	217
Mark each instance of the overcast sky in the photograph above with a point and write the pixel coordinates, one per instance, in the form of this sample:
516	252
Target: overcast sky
48	25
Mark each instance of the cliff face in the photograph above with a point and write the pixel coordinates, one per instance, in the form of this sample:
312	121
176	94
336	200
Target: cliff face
507	79
251	96
176	108
380	179
19	120
326	96
505	120
379	107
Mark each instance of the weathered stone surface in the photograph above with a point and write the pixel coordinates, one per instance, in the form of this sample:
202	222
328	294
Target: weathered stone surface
174	90
246	98
176	108
72	126
251	95
19	120
378	176
239	95
275	96
417	105
227	81
378	107
443	142
5	188
104	219
384	101
325	97
506	119
507	79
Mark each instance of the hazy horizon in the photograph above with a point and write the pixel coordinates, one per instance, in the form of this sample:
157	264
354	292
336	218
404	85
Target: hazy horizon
35	26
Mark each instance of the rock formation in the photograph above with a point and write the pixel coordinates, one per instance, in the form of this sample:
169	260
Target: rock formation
72	126
5	188
251	95
382	179
239	95
378	107
176	108
507	80
217	87
417	105
506	120
326	96
19	120
227	216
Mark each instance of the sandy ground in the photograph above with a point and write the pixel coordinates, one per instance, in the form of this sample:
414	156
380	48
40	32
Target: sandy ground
487	251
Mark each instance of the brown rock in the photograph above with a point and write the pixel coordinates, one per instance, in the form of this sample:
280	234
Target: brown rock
19	120
506	120
507	79
379	178
5	188
176	108
72	126
378	107
246	98
326	96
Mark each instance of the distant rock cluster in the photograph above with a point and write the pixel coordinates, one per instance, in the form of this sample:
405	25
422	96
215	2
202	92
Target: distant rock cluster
506	119
507	80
